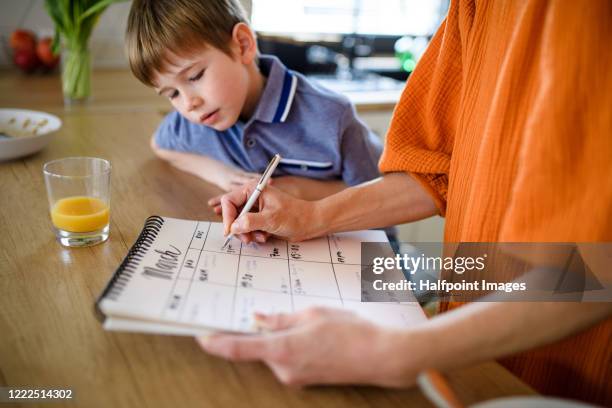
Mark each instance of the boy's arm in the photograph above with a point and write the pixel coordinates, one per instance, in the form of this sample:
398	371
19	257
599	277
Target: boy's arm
360	149
206	168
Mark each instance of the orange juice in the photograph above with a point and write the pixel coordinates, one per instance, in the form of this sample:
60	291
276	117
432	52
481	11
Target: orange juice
80	214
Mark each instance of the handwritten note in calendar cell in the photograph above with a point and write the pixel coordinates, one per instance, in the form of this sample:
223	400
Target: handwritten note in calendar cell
345	247
200	235
216	239
217	267
189	263
263	274
178	279
274	248
314	250
313	279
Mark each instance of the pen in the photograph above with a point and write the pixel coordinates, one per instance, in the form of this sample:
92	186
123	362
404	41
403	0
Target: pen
261	184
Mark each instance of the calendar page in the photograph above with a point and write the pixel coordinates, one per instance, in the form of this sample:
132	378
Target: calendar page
178	279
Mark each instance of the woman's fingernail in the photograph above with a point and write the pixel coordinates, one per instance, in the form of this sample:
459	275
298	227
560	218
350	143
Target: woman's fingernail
260	323
203	340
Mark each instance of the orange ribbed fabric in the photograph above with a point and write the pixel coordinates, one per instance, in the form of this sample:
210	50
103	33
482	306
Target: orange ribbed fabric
507	122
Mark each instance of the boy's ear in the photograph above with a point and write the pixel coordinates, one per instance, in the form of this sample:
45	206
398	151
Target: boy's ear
244	42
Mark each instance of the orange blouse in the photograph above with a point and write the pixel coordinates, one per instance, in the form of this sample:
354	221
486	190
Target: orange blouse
507	122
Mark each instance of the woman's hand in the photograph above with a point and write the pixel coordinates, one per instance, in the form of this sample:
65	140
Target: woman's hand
278	214
298	187
323	346
395	198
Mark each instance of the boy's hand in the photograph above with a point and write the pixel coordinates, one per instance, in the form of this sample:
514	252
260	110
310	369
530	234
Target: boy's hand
215	202
230	178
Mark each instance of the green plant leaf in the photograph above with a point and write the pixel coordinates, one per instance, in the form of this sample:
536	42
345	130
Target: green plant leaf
97	7
56	13
56	44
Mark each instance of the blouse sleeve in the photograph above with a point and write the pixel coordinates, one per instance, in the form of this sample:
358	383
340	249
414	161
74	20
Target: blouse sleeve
421	134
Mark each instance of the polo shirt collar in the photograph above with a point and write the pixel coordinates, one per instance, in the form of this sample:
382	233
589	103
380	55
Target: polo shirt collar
278	94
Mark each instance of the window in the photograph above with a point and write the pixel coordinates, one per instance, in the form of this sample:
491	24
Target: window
367	17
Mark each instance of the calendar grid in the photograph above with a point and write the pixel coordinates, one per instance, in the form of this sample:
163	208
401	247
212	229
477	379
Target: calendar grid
266	257
186	272
276	291
331	259
257	289
195	269
235	286
172	291
289	275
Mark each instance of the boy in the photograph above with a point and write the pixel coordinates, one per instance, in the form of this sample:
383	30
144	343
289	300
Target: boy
235	109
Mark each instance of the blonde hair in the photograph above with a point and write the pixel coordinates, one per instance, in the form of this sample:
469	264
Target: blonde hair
156	26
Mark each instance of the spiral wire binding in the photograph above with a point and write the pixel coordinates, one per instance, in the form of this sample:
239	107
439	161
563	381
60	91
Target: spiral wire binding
117	283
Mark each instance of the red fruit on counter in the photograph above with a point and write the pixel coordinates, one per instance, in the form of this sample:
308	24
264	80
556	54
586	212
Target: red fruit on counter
23	40
26	60
45	53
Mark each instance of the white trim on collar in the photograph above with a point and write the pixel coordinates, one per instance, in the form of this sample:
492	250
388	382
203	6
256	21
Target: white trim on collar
289	98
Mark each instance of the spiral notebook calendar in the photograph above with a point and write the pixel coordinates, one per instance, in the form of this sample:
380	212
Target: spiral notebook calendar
177	279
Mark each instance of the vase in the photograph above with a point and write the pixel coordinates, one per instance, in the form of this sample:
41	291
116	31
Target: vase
76	75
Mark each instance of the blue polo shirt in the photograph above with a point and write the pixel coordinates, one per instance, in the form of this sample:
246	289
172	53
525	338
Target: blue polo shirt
316	131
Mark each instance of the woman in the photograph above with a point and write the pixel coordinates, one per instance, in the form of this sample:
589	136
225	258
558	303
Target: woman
503	128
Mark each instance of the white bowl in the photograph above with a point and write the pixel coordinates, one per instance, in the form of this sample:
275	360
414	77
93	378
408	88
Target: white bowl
532	402
29	131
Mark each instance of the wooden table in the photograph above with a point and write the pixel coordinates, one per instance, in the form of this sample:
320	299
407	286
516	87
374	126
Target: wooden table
49	336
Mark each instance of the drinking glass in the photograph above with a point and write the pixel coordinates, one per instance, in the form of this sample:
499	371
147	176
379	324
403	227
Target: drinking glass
78	189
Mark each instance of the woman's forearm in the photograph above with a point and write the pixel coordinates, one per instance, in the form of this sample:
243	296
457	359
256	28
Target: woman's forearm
482	331
394	198
308	189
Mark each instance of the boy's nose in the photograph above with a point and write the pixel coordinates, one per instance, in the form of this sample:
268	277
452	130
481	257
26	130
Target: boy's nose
194	103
